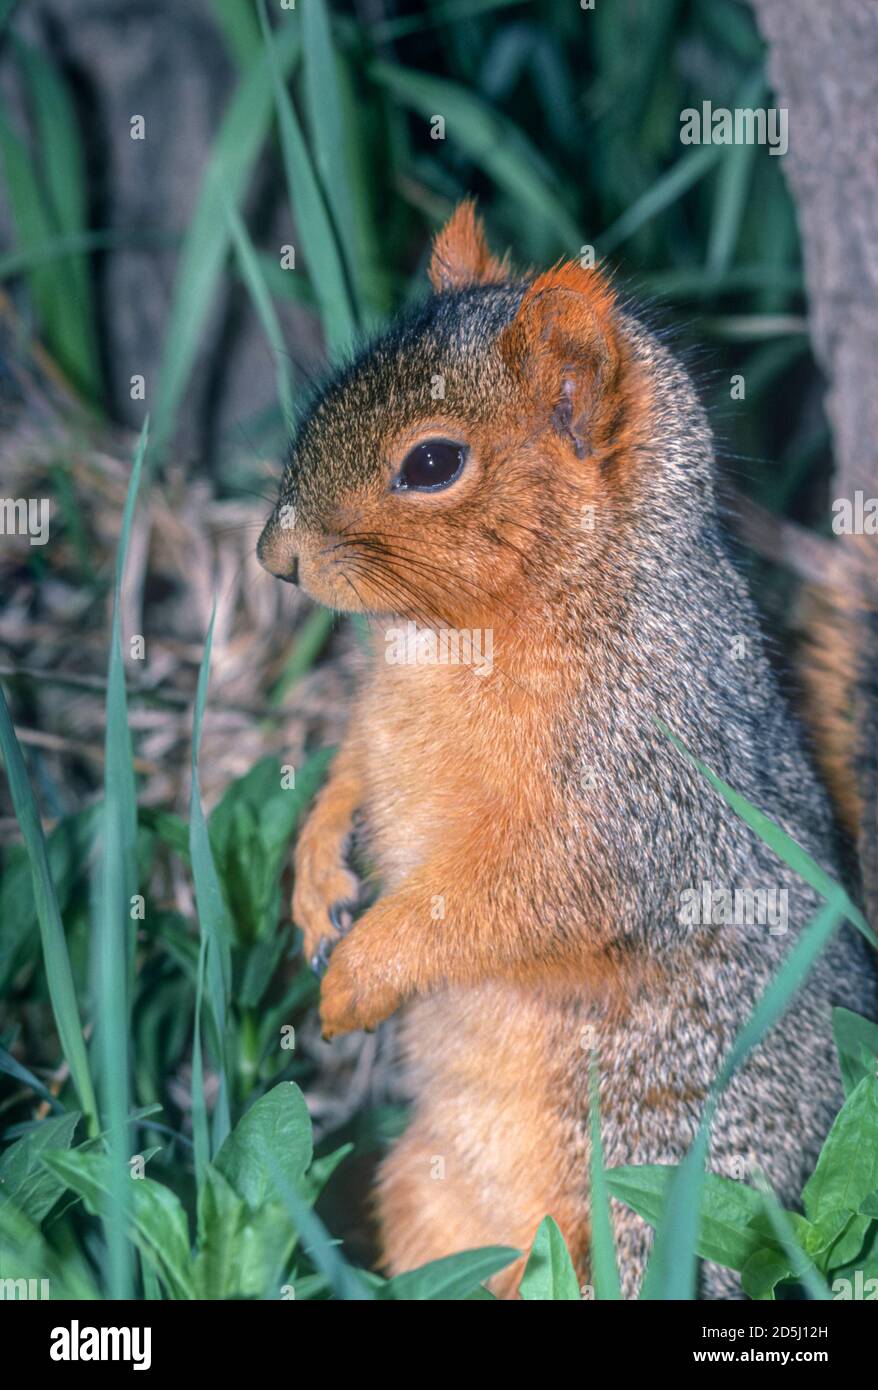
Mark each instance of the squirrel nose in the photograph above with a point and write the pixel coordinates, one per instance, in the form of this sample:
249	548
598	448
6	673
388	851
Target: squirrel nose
273	553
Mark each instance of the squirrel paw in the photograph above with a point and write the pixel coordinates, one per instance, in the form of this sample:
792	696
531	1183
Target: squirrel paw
352	995
324	899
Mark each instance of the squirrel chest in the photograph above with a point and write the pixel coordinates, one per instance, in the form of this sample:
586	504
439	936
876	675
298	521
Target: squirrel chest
443	747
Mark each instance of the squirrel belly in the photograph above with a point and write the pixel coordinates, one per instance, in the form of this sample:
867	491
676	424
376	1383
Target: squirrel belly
515	484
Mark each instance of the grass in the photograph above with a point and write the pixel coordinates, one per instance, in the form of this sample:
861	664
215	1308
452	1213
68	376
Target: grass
343	110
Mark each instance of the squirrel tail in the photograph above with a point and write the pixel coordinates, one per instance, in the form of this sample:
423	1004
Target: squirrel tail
839	675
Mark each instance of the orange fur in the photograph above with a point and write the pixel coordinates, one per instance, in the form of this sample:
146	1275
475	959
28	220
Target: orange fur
461	255
834	661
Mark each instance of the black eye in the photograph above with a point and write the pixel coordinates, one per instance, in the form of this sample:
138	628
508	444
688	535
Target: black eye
433	464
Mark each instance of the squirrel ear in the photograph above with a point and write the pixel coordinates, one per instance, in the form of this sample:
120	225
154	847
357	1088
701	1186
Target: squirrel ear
461	255
563	344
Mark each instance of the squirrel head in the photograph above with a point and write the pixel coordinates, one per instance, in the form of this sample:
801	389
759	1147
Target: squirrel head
452	471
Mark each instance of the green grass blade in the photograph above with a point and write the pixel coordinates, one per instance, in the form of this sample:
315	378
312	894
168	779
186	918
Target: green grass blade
605	1271
788	979
11	1067
806	1271
251	273
308	643
200	1133
212	915
239	29
318	240
56	960
63	166
687	171
113	941
344	1281
323	103
733	184
24	259
34	229
490	140
784	846
671	1270
207	241
388	30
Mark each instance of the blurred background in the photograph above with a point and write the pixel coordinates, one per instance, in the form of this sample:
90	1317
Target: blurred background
201	203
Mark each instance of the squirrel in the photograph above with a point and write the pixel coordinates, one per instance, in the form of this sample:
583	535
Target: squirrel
519	459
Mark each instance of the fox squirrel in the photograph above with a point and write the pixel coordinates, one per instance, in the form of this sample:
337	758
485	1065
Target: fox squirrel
519	458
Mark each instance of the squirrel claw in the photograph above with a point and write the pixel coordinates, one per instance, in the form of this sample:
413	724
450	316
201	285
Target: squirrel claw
320	958
341	917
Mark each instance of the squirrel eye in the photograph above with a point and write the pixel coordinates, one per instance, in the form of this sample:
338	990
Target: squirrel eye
433	464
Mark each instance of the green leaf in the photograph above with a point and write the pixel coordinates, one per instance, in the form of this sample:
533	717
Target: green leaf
171	829
157	1220
11	1067
549	1272
239	1251
822	1237
864	1262
454	1277
726	1234
321	1170
762	1273
847	1169
278	1128
857	1041
25	1254
23	1178
345	1282
849	1243
250	833
784	1226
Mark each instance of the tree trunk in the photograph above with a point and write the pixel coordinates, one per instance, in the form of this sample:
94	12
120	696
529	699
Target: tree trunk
823	64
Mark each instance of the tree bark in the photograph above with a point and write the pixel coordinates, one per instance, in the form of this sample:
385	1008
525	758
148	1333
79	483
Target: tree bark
823	64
